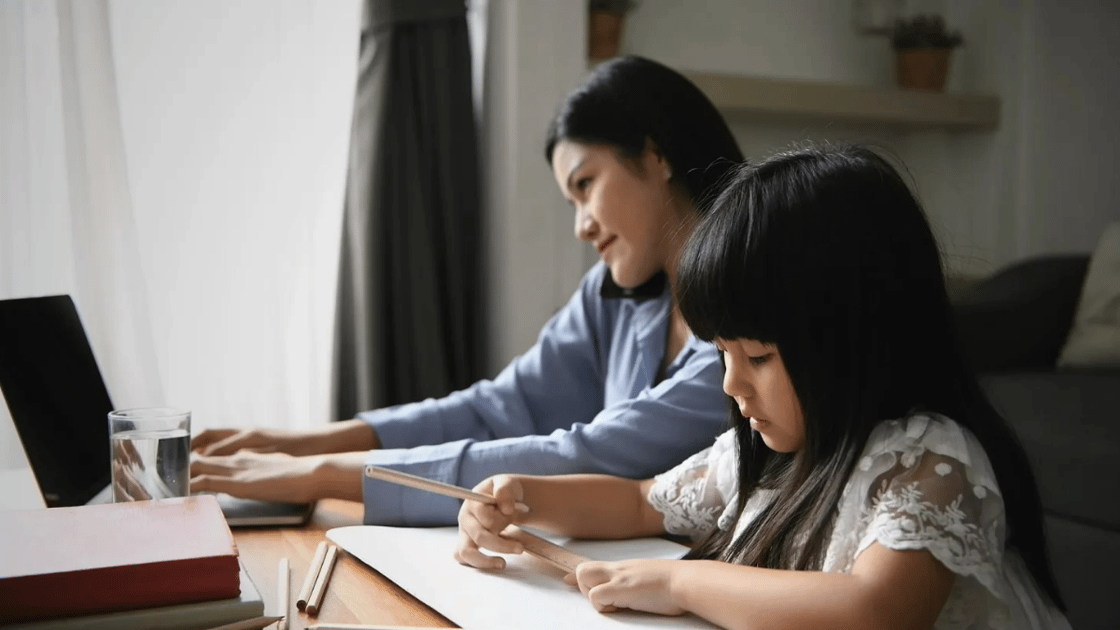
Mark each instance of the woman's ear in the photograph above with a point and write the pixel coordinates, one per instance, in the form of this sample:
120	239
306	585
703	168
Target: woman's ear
657	159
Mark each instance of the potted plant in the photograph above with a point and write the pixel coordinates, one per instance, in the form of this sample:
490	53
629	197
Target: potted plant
923	47
604	26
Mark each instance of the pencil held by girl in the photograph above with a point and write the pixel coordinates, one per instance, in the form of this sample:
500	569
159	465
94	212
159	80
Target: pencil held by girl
866	481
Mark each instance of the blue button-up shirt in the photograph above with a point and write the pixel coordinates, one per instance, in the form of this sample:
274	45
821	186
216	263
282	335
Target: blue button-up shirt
584	399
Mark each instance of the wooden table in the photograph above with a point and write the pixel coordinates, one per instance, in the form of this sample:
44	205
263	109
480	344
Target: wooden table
357	592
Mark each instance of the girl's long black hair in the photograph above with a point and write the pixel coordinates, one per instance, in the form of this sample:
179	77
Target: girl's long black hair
630	100
826	253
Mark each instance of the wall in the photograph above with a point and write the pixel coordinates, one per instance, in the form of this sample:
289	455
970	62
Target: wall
1041	183
536	54
236	119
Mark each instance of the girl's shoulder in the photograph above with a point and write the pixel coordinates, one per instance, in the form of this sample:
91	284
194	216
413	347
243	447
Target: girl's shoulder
901	445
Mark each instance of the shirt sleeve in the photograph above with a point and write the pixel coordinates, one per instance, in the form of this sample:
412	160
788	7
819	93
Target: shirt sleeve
692	496
543	415
559	379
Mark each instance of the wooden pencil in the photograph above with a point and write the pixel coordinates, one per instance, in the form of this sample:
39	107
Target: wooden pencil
315	602
282	593
420	483
312	575
548	551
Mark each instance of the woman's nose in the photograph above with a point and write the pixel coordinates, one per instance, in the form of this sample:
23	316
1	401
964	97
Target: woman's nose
586	227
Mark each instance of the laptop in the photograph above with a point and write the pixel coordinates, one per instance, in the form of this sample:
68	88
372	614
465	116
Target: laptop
59	405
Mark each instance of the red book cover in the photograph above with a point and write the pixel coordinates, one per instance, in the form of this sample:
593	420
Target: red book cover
60	562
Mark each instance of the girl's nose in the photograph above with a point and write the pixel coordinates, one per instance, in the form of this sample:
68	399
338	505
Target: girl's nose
734	384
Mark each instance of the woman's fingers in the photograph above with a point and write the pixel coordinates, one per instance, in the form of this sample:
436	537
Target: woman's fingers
125	485
208	437
218	466
234	442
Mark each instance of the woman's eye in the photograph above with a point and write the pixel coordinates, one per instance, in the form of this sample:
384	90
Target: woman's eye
582	183
759	360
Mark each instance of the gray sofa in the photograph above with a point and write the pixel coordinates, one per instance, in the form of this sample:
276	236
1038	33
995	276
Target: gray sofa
1013	326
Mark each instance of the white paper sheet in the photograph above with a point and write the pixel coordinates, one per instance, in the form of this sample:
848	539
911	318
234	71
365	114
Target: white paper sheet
527	594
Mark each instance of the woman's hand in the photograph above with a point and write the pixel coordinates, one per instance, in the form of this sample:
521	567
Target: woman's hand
635	584
280	477
336	437
481	524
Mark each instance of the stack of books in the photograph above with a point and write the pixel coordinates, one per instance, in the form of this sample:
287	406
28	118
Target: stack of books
170	564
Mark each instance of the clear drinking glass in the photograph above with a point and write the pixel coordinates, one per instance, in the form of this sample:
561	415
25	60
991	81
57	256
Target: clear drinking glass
150	452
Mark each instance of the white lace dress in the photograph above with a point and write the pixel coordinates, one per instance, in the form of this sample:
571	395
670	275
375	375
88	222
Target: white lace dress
921	483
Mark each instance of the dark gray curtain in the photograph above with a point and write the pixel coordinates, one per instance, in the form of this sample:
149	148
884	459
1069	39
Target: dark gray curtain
410	301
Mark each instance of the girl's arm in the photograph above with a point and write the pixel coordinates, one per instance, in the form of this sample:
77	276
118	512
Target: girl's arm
580	506
886	589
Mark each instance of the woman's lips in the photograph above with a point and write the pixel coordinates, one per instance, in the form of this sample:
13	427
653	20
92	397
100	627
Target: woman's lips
602	247
757	424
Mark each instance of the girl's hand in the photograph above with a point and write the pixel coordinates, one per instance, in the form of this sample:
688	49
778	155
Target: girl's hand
635	584
480	524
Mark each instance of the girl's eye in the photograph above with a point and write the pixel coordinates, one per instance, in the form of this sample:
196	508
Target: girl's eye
759	360
582	183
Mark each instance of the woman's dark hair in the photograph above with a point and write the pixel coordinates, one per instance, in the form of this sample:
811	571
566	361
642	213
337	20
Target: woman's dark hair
825	253
629	100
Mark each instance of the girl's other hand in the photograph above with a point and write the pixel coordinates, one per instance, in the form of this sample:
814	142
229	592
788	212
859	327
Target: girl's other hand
635	584
481	524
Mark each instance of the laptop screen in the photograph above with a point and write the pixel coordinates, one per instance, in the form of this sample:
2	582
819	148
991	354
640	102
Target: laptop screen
56	397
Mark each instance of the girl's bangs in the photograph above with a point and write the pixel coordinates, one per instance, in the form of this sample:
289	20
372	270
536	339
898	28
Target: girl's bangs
725	288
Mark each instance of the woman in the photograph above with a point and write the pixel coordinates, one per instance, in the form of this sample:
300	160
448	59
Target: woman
867	482
615	383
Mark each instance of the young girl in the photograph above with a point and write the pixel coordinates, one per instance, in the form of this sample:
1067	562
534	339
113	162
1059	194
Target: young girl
866	482
615	383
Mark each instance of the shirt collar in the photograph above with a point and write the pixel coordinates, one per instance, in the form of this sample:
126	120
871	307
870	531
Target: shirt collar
652	288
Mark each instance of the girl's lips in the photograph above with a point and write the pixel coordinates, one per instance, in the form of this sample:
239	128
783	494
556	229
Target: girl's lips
605	244
757	424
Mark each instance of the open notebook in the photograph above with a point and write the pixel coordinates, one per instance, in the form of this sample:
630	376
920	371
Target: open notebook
59	405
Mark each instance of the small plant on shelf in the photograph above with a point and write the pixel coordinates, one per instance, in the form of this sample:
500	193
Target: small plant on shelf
923	46
604	26
924	31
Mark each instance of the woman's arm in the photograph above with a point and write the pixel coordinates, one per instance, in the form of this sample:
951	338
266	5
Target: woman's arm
280	477
899	590
335	437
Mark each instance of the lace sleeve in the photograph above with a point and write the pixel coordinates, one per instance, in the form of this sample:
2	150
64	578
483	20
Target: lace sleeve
929	485
693	495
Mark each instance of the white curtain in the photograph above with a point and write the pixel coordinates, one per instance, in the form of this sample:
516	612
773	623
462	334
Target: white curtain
178	167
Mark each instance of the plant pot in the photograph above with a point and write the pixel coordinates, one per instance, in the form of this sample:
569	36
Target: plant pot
923	68
604	33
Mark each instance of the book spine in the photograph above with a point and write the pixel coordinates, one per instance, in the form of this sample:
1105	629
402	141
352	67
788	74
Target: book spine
110	589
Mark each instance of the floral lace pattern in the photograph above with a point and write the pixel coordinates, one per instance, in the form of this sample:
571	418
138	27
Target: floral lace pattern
922	482
689	497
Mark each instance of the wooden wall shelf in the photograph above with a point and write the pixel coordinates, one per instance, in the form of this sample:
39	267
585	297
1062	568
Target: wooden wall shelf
810	101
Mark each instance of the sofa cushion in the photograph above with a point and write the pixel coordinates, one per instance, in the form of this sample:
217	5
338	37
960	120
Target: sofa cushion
1086	563
1019	318
1069	424
1095	337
